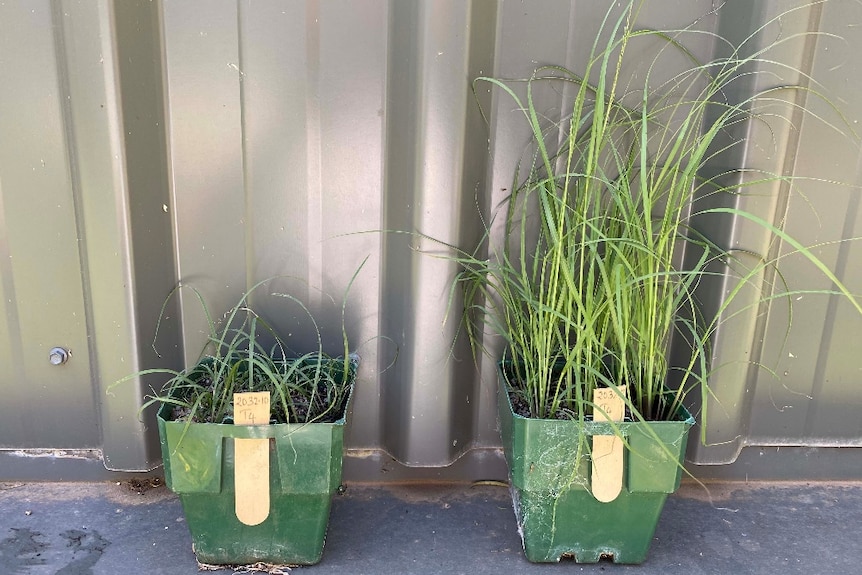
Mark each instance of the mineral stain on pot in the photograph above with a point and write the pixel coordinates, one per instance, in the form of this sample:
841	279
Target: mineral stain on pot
87	548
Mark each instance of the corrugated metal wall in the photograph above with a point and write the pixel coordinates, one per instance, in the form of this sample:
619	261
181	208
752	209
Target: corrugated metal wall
791	378
144	143
86	247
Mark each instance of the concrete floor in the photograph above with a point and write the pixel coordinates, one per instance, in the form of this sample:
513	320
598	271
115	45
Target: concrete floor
119	528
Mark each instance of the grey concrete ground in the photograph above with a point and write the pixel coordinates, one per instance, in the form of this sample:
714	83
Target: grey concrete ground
110	528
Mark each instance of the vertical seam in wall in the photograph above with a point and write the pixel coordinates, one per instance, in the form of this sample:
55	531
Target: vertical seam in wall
109	43
383	302
248	194
313	151
169	174
116	130
488	425
488	206
393	392
77	201
13	322
476	54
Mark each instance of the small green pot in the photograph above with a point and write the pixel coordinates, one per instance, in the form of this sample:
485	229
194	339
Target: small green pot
556	512
304	473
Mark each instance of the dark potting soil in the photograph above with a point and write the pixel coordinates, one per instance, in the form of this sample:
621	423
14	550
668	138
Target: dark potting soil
300	404
522	408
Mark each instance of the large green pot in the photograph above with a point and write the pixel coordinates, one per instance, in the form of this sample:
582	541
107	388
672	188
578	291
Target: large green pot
304	473
556	512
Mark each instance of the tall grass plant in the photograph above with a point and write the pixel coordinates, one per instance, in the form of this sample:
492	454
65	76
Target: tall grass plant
587	285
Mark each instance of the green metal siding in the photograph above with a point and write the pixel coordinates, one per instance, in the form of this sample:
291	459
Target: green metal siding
143	143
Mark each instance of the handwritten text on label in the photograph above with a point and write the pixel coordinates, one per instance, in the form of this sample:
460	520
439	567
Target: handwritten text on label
251	408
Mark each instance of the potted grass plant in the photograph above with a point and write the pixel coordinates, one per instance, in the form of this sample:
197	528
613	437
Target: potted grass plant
592	273
272	506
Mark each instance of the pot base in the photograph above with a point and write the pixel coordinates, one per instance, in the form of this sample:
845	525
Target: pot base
577	526
293	533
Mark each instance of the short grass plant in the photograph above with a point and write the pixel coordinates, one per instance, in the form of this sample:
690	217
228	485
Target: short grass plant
244	353
587	286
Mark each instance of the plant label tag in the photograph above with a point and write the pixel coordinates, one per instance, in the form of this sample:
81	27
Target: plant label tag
607	454
251	459
251	408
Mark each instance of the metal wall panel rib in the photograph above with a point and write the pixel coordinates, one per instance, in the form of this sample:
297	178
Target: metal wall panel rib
263	139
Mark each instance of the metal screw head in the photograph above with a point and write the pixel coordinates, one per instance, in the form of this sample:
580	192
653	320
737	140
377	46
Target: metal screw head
58	356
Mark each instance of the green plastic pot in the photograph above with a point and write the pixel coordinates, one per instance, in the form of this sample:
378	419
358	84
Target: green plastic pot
304	474
556	512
